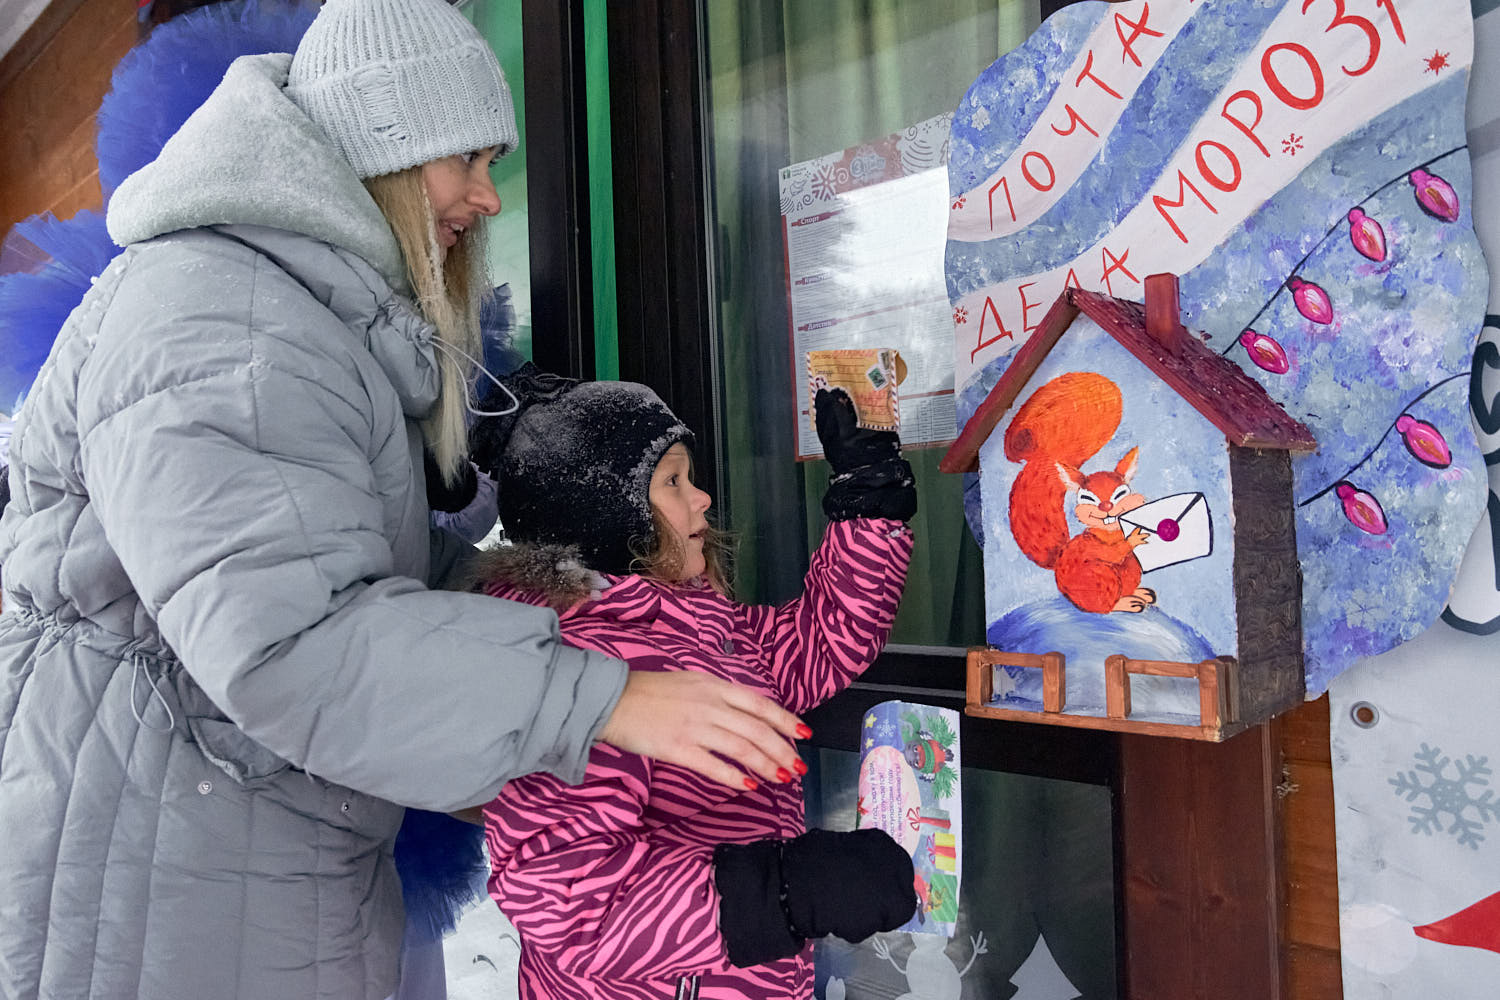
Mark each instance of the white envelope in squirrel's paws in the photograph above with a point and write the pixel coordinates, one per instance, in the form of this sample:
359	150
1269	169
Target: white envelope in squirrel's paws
1179	527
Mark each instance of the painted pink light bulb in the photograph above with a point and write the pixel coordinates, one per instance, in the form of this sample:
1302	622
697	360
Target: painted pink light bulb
1366	235
1435	195
1311	300
1267	354
1361	508
1425	442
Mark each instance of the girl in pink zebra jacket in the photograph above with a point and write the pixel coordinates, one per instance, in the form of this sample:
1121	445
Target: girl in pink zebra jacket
647	880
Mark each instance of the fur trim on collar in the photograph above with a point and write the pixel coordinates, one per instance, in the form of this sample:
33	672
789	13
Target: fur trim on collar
555	572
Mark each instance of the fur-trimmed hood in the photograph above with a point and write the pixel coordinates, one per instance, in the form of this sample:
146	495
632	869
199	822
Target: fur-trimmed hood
555	573
556	576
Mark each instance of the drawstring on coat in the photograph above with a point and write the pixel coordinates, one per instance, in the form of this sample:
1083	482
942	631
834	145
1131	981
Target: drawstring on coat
450	350
140	712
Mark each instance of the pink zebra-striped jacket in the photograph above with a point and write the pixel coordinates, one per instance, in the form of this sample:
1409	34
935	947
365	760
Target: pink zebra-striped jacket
610	882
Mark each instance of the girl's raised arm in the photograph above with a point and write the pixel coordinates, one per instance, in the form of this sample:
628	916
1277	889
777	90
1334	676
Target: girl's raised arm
833	632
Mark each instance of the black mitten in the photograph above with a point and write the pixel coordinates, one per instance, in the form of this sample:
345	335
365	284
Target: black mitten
870	478
446	497
775	894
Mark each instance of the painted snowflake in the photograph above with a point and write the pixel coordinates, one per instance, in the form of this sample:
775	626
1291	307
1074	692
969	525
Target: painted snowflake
1456	796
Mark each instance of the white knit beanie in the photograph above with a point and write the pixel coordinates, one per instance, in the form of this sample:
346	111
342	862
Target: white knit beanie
397	83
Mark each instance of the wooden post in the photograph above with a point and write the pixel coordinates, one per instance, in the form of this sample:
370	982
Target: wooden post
1211	691
1054	684
1215	678
1200	873
979	681
1116	687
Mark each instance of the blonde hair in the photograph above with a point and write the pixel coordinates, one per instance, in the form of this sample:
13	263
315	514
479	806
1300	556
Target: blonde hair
661	556
447	291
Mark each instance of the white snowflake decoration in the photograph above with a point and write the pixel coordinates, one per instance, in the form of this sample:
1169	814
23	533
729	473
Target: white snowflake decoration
1451	796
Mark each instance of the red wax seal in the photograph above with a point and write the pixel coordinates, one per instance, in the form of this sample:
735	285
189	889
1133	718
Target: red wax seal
1168	529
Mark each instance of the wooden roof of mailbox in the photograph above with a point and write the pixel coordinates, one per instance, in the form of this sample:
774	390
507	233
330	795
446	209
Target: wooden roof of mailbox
1212	384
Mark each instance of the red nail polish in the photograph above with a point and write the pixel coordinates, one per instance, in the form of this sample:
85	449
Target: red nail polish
751	784
803	731
801	766
783	775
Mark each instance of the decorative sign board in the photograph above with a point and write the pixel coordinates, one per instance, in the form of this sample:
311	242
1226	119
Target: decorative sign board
1303	167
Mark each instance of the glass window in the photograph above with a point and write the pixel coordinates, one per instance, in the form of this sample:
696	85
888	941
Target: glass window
509	232
788	83
1036	908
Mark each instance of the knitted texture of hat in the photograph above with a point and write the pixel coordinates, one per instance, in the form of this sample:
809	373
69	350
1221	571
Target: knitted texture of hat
576	470
398	83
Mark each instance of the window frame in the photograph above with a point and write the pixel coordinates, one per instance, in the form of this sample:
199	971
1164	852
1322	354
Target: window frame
1200	881
556	144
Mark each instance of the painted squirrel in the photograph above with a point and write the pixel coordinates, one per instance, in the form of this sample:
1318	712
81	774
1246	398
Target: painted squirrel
1064	424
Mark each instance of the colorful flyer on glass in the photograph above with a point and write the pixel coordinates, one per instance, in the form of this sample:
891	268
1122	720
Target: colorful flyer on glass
909	787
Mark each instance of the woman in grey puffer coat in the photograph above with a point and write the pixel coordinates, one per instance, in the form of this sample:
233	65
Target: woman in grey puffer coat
222	673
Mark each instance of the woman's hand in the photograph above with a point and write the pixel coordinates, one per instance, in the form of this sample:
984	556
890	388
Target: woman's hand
686	718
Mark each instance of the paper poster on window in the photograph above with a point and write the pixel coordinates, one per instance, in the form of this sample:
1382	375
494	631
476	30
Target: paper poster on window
865	230
909	787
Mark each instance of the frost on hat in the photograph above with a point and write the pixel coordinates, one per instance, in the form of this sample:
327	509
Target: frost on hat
398	83
574	464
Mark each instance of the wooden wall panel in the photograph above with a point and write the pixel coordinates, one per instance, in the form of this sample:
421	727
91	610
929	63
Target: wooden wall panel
1229	876
1311	867
51	83
1313	974
1200	884
1309	862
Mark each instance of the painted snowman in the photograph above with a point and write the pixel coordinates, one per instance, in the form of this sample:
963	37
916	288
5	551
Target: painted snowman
930	973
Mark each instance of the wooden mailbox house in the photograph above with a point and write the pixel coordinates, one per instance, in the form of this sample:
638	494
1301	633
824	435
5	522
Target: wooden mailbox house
1191	424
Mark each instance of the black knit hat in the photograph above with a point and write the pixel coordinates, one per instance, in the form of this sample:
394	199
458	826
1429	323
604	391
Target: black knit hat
574	462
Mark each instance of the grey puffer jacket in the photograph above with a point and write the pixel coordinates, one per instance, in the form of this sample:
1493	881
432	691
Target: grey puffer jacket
221	667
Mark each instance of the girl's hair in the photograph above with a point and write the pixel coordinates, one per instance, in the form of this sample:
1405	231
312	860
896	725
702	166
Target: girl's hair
447	292
661	556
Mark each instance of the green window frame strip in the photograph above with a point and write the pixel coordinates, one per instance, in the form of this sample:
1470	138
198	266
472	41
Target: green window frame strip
601	189
500	23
